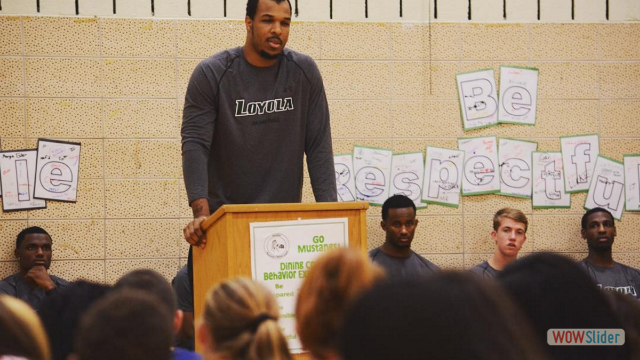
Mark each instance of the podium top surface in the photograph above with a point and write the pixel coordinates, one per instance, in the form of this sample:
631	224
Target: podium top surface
246	208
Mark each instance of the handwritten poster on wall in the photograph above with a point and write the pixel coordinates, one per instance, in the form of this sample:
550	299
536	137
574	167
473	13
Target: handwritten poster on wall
406	177
345	177
579	154
57	170
478	99
607	186
632	182
373	172
518	95
443	176
548	181
481	170
281	254
514	157
18	175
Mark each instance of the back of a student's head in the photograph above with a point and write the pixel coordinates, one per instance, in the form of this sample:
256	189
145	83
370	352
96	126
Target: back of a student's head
449	316
61	314
240	322
334	281
21	332
151	282
125	325
556	294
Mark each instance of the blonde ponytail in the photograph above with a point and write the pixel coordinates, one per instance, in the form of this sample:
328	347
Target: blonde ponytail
241	317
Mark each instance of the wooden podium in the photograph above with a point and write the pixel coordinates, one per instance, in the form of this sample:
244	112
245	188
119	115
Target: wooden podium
228	252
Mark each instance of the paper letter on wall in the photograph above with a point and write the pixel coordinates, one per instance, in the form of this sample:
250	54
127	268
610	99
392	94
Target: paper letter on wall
443	176
518	95
406	177
632	182
514	157
57	170
579	155
345	181
373	172
548	182
607	186
481	171
478	99
18	169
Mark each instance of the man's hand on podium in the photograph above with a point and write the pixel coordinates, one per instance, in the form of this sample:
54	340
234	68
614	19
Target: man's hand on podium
193	233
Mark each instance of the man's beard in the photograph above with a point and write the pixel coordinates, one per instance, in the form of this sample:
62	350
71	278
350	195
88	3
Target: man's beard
268	56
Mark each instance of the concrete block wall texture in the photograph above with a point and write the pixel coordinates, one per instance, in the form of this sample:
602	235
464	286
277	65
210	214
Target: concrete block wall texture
117	85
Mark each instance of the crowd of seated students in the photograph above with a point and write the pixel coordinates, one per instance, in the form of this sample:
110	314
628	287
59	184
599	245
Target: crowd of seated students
348	307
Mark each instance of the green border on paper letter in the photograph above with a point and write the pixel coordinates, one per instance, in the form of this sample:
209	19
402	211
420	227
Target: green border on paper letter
625	185
587	198
465	160
516	195
461	102
409	153
549	206
535	110
563	167
354	167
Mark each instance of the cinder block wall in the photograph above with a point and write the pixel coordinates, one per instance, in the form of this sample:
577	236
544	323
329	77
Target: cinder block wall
117	85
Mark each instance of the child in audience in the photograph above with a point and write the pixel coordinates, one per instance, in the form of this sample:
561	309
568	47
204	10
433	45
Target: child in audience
334	281
448	316
240	322
21	333
555	293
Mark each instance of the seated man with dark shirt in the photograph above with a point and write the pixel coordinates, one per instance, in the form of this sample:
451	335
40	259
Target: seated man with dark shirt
395	255
599	229
509	233
33	282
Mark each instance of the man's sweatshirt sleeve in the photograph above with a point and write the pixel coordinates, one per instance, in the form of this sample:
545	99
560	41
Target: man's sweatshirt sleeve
318	146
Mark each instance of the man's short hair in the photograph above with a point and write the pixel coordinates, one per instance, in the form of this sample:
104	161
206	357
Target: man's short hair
509	213
593	211
30	230
252	6
150	282
125	325
396	202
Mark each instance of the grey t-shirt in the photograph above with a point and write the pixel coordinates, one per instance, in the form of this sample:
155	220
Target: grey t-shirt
246	129
13	285
412	266
620	278
484	270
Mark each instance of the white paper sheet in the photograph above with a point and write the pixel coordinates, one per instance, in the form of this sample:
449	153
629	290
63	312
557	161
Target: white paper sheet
607	187
632	182
373	173
57	170
443	174
478	99
514	157
406	177
481	170
18	169
518	95
579	155
548	181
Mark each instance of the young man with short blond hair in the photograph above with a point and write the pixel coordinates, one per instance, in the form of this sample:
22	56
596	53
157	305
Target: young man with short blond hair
509	233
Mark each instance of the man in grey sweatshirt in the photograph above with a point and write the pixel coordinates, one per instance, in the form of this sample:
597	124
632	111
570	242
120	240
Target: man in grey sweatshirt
251	114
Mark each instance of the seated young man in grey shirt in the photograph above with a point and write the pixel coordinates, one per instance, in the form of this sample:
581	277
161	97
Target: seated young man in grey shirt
395	255
509	233
599	229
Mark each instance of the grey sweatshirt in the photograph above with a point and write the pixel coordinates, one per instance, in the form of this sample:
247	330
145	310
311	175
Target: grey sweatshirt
245	130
